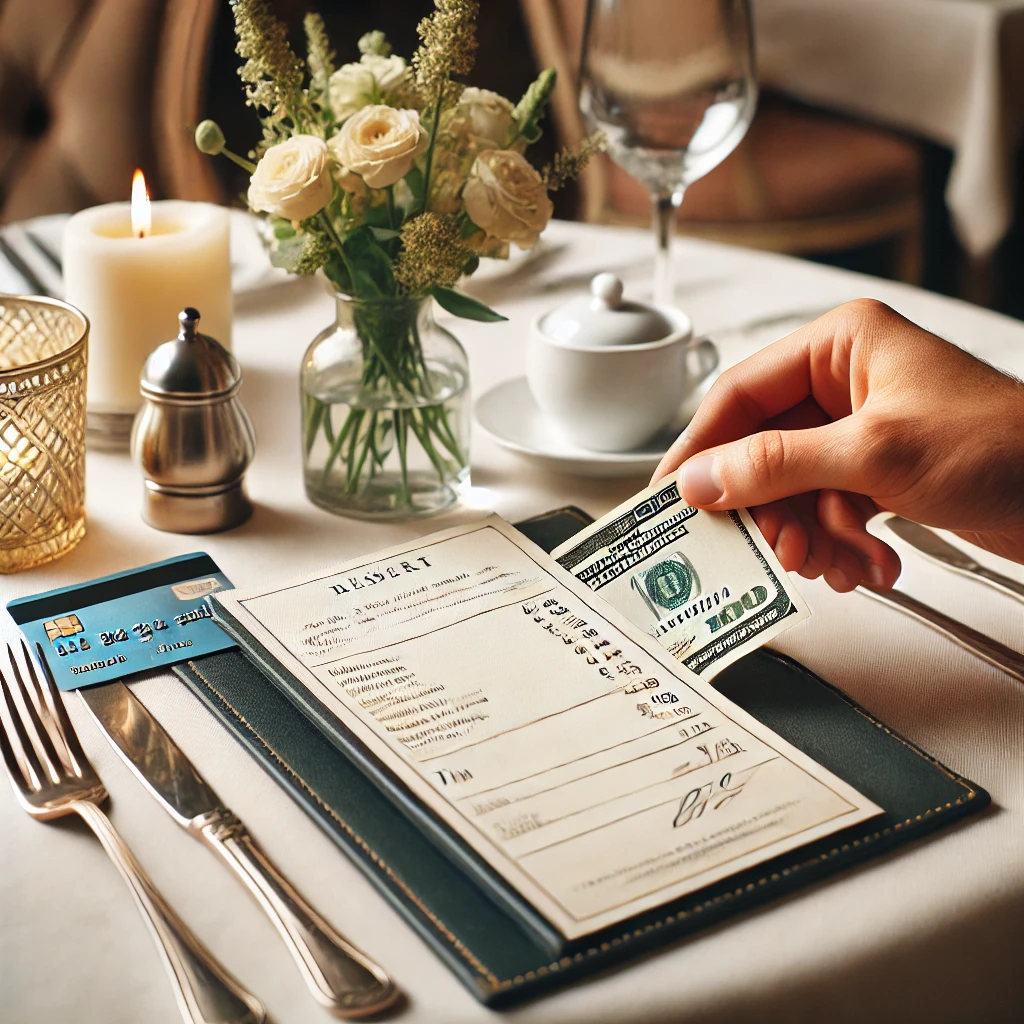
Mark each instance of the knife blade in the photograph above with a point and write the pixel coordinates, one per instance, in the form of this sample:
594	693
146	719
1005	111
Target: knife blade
981	646
932	546
341	977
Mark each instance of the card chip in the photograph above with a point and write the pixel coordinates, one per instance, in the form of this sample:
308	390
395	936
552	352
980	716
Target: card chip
66	625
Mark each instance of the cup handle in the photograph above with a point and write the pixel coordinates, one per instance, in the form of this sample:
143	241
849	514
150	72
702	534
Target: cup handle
706	358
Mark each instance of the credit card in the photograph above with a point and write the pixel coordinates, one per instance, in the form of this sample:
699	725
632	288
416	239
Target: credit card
133	621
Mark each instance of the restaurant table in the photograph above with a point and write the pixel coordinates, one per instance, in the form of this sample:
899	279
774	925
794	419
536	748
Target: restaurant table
928	932
951	71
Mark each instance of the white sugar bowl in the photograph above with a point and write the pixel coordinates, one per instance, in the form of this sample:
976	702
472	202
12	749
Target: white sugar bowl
610	373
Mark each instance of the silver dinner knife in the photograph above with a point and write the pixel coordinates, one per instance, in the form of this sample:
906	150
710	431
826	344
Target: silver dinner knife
1002	657
341	977
934	547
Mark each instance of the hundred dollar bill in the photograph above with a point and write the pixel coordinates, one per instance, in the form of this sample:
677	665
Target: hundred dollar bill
706	584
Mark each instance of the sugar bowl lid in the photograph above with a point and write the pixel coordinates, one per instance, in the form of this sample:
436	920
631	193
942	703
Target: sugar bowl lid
605	318
191	366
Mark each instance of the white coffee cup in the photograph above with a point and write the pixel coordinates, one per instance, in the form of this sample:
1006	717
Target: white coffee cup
614	397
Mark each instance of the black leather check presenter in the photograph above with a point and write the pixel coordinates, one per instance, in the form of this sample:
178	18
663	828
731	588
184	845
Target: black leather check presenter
535	777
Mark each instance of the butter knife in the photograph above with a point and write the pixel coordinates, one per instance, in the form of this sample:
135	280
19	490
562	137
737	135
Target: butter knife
1002	657
934	547
341	977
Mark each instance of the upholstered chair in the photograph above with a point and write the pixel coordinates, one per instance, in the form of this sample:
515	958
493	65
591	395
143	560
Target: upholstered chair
801	182
90	90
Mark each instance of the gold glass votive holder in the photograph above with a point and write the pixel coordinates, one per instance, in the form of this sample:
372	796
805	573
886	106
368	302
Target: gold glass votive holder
42	430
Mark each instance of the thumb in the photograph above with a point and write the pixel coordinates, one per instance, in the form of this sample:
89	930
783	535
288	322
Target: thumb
775	464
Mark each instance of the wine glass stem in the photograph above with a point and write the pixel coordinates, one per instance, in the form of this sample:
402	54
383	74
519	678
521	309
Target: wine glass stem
665	205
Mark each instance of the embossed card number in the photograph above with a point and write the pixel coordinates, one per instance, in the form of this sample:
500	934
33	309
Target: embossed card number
117	626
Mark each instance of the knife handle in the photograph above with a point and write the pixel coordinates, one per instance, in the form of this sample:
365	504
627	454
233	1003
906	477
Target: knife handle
980	645
1004	583
205	992
341	977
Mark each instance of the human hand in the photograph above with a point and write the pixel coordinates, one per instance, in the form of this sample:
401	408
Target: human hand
858	412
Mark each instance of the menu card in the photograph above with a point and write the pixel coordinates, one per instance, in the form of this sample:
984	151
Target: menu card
594	773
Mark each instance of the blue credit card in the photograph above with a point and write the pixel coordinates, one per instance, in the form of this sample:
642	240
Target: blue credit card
130	622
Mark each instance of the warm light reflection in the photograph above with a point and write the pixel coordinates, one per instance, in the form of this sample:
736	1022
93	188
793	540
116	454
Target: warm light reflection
483	498
142	210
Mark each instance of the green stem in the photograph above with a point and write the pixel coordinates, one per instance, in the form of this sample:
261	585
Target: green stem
247	165
429	165
423	436
336	446
350	458
443	430
393	376
354	478
335	238
401	439
328	425
391	207
314	417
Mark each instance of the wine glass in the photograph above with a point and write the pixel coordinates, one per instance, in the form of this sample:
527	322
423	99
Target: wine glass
671	83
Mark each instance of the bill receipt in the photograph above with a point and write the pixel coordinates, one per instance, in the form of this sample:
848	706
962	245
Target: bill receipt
566	749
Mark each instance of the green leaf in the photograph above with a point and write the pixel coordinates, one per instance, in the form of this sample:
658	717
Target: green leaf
282	228
463	306
529	110
337	274
414	179
288	252
371	266
384	234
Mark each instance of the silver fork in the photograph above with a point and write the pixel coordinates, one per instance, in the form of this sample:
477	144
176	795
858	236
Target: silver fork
52	777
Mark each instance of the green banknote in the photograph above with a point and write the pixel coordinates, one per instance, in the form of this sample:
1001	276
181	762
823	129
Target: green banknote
706	584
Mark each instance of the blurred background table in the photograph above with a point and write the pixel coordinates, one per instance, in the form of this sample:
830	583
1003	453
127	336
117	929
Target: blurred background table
930	932
900	102
951	71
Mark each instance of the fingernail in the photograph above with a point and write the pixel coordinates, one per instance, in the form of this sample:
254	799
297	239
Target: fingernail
876	578
837	580
700	480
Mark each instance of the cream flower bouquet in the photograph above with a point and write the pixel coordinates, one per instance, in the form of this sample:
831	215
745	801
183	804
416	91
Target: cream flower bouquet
393	180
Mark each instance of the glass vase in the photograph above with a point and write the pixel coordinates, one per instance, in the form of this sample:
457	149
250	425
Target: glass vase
385	412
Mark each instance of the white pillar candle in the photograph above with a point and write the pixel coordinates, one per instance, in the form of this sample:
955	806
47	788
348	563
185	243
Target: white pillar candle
132	289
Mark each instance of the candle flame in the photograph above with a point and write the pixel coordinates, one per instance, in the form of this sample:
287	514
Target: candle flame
142	211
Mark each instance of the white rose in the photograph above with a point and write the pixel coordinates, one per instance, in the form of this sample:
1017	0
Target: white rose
380	144
485	115
445	184
292	179
388	72
506	197
350	88
354	86
483	244
348	180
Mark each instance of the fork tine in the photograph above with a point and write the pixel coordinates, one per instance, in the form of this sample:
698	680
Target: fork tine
32	770
44	745
14	769
57	706
47	714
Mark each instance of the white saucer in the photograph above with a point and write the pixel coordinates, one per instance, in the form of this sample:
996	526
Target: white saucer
509	414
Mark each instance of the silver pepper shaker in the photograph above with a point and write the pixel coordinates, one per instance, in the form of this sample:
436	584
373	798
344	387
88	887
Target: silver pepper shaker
192	438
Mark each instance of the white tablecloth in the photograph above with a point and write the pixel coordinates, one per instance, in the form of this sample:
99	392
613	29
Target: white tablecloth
931	932
951	71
